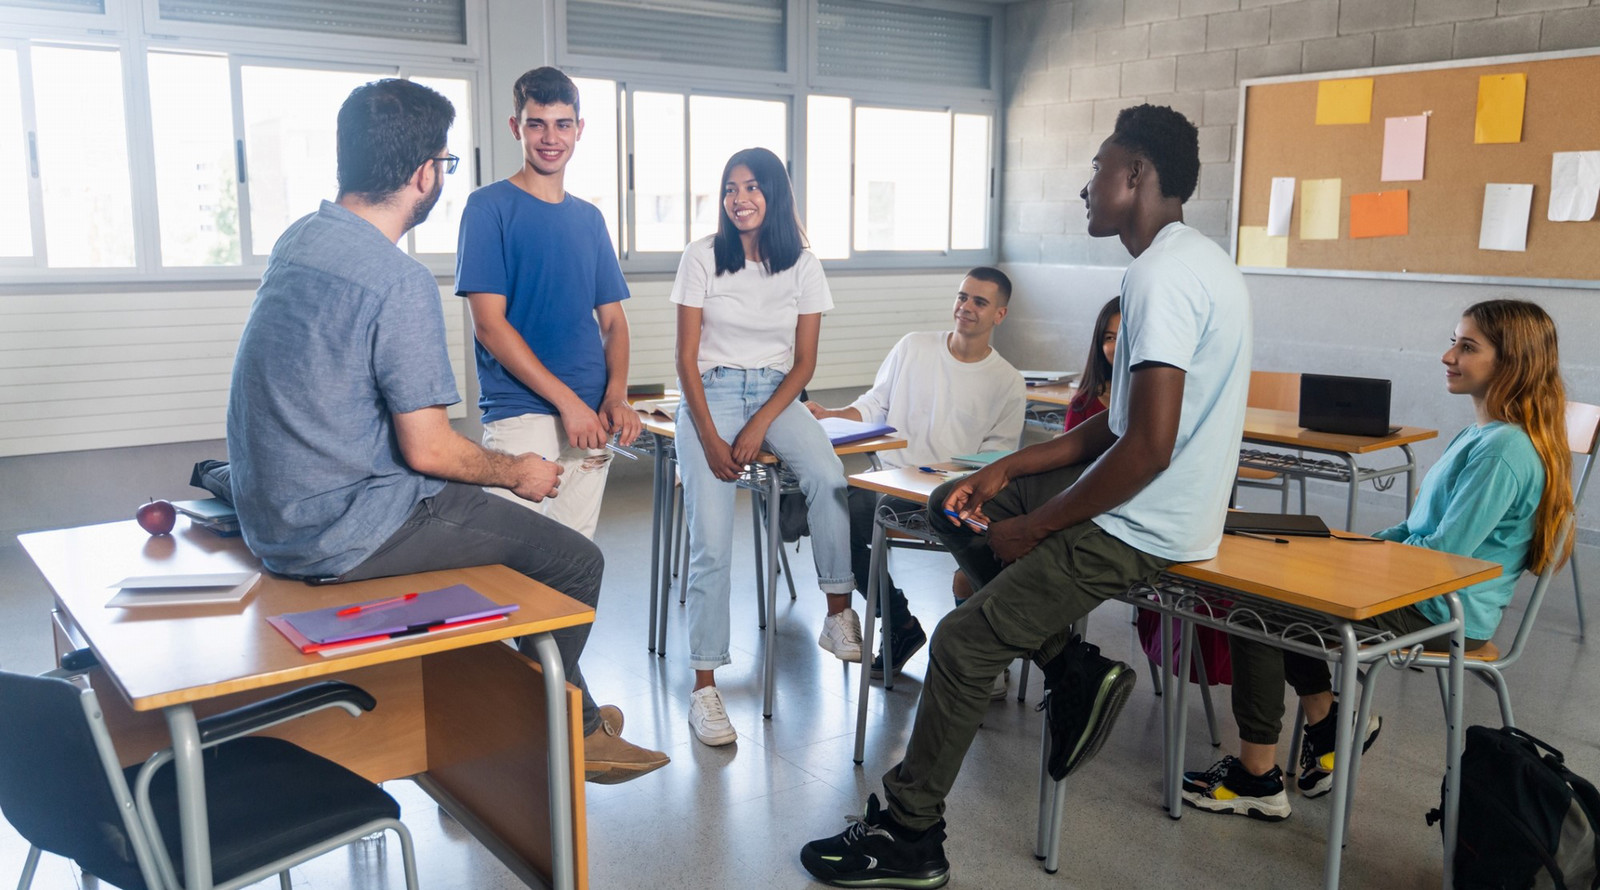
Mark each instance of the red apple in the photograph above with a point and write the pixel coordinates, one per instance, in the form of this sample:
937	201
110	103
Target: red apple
157	517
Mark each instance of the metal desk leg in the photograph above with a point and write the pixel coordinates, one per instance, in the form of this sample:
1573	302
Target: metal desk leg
755	539
657	526
1369	682
1455	735
1343	748
868	623
664	591
1411	476
1169	793
1178	694
774	539
1355	489
193	827
562	865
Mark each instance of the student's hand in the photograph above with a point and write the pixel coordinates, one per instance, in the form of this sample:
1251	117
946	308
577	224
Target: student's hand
1012	539
747	445
820	412
536	478
620	420
584	428
719	457
971	493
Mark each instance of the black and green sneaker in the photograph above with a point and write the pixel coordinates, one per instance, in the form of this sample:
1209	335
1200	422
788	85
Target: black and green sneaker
1084	692
875	851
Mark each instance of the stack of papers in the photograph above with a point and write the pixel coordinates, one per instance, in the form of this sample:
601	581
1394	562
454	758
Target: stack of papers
842	432
211	514
665	407
183	590
382	620
1045	378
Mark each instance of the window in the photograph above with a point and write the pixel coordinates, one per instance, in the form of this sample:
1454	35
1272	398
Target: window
16	235
84	178
197	196
592	174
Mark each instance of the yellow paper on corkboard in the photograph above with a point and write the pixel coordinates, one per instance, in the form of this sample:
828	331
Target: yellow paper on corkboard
1344	101
1319	209
1257	248
1501	98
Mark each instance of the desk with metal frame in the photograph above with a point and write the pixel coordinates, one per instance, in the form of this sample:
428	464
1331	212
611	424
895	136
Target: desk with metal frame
1057	396
1305	596
459	711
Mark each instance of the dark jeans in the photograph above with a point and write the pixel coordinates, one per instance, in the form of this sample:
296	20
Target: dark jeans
462	526
1022	609
1260	671
863	507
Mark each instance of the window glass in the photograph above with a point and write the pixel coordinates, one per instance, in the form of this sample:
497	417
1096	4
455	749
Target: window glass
197	195
437	234
83	156
828	176
969	183
16	233
660	222
290	155
902	188
718	127
592	172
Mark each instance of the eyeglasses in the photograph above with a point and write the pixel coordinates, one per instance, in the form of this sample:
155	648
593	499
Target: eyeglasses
449	162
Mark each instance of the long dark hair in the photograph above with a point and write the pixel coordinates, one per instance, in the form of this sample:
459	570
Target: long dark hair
781	238
1096	379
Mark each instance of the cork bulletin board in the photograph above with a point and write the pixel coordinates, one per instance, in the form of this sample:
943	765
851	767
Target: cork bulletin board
1442	212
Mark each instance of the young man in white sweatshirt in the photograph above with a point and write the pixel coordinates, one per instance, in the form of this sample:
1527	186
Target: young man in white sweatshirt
948	393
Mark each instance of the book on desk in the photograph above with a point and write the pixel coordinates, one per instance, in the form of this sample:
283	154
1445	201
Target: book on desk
843	431
212	514
379	621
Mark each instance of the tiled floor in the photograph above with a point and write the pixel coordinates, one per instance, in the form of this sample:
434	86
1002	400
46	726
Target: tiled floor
736	816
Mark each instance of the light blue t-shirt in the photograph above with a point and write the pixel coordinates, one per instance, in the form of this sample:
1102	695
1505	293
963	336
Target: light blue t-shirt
1184	304
555	265
345	331
1479	500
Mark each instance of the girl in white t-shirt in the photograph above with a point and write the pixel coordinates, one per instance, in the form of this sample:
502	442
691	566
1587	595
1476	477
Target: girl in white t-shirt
750	302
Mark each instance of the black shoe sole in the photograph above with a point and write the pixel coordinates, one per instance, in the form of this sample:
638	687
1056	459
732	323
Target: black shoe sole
926	879
1115	687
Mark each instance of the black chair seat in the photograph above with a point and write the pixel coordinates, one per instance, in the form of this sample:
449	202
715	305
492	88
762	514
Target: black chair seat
266	799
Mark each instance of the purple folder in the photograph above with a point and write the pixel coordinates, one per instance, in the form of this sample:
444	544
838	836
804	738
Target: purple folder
386	616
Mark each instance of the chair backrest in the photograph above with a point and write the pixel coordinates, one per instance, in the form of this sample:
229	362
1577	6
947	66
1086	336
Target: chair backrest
60	784
1583	435
1274	390
1536	598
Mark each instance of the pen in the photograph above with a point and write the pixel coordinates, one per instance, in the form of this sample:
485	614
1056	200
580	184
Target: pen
934	470
614	449
368	607
1260	537
980	526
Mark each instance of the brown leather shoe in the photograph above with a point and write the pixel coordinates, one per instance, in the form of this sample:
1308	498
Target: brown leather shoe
610	759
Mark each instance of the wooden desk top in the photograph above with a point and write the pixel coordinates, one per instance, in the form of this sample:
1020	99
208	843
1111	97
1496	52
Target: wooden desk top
655	423
1266	426
1054	393
166	655
1351	579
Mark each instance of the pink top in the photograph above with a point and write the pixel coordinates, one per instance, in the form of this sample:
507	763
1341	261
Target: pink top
1076	415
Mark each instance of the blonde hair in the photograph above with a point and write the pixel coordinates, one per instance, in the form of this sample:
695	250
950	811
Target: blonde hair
1527	390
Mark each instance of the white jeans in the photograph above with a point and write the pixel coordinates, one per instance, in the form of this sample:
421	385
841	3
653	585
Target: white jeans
583	472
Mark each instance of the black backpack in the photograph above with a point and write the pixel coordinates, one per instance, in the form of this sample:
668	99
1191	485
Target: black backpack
1526	820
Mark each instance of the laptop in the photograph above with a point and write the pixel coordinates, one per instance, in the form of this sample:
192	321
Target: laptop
1305	525
1350	406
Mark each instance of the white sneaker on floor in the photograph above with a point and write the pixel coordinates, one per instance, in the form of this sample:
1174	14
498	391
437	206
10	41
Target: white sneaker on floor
841	635
709	719
999	691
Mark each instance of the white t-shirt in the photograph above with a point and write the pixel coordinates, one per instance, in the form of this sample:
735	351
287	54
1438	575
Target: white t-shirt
943	406
750	315
1184	304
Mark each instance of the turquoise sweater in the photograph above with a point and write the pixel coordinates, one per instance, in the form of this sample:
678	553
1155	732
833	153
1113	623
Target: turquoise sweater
1479	500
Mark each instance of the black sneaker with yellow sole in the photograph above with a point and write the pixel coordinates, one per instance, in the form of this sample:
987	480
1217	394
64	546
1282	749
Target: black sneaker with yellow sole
1227	787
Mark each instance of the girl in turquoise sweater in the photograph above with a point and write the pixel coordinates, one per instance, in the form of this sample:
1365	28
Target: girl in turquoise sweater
1498	493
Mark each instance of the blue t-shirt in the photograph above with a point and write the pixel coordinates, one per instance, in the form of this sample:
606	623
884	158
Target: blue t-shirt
1479	500
346	330
555	265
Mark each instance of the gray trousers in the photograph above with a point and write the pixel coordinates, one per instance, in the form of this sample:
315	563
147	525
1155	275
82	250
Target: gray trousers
1021	609
463	526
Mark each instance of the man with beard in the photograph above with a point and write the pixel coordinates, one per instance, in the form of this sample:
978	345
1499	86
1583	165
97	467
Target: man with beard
344	464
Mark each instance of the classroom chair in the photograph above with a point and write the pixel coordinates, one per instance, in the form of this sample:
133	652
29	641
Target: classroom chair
271	804
1583	435
1275	391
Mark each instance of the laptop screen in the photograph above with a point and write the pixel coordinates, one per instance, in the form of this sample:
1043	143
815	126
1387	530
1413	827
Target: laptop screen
1352	406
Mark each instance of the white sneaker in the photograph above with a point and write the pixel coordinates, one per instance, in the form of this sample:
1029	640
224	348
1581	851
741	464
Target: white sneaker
998	692
841	635
708	719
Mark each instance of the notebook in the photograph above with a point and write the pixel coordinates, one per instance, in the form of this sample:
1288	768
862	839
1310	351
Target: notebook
842	431
1303	525
213	588
395	616
1351	406
982	459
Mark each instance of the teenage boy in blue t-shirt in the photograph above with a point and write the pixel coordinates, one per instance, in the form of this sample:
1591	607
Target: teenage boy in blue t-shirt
540	275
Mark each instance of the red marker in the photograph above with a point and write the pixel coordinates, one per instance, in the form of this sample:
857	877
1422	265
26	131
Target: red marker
367	607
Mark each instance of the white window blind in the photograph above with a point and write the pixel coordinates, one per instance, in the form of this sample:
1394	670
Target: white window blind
94	7
876	42
747	34
440	21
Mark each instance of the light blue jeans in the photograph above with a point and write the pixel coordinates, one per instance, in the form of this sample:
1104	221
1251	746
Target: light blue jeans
734	395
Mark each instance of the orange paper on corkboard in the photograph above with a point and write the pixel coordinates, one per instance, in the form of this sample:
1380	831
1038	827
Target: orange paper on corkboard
1379	214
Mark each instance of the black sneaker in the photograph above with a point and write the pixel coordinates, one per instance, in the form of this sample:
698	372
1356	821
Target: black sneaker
875	851
1227	787
1084	692
904	643
1316	752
